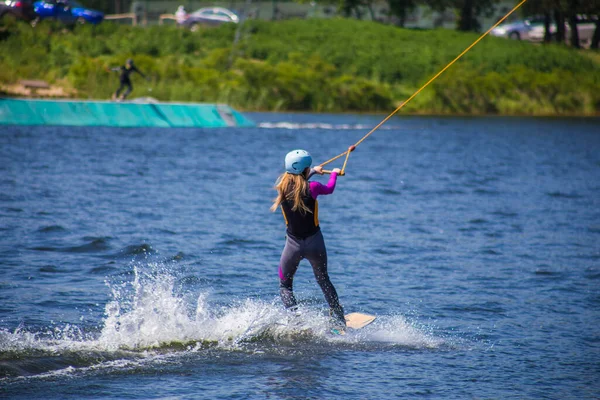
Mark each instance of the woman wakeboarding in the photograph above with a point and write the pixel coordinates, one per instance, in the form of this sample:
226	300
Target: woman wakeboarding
297	198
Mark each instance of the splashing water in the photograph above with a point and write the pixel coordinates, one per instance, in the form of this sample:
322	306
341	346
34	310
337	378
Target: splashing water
322	125
147	317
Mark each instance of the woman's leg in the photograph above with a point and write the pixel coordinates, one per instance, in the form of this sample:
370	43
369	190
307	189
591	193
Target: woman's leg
316	253
128	90
288	265
121	87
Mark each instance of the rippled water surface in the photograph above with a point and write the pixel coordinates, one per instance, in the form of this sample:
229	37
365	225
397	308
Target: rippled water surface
142	263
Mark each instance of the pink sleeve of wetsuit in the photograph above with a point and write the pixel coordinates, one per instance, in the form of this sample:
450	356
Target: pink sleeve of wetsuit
317	188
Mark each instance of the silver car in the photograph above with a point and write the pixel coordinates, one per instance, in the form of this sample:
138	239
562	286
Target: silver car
518	30
210	16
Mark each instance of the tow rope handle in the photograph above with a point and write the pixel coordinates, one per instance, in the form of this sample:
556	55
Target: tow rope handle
343	171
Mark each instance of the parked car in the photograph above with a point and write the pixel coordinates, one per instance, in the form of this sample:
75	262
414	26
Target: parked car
67	11
518	30
210	16
17	9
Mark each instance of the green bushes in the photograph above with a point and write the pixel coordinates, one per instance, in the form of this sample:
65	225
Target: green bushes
519	91
309	65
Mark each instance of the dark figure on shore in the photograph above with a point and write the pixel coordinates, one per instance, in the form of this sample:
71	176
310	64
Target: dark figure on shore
125	72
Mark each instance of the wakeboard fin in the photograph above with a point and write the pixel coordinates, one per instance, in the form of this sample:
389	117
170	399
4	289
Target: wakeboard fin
338	331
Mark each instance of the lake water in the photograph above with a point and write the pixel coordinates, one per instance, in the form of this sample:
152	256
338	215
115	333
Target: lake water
142	263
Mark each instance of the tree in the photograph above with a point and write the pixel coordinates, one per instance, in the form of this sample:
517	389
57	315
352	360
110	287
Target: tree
596	38
540	8
572	12
401	9
559	20
348	8
469	10
467	21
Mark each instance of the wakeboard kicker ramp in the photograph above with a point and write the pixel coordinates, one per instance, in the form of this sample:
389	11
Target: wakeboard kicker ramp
127	114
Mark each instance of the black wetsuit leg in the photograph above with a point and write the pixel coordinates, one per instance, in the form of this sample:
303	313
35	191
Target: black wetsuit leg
313	249
316	254
121	87
126	83
288	265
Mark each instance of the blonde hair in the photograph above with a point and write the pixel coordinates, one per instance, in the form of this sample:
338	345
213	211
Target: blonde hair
291	187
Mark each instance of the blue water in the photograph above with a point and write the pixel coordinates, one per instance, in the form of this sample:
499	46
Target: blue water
142	263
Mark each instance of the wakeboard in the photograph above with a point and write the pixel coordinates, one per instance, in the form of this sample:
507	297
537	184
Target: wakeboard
354	321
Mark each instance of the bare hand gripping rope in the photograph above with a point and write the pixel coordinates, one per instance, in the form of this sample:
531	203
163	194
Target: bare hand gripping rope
353	147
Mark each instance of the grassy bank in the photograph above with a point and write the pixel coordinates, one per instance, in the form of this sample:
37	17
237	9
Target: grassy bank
309	65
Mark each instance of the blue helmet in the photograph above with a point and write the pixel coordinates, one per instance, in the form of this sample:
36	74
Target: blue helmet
297	161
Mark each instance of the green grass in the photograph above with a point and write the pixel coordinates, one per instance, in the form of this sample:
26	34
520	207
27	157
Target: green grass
310	65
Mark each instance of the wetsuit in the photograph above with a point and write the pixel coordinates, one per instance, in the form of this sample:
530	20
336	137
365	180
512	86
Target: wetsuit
305	240
125	80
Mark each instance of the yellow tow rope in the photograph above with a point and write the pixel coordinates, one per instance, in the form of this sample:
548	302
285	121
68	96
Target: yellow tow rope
351	148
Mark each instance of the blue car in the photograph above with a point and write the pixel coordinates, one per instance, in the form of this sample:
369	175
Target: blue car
67	11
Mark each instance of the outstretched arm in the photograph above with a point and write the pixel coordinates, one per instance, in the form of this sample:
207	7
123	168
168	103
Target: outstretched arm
139	72
317	169
317	188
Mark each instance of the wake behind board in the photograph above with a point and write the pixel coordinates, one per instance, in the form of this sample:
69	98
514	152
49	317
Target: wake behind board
355	321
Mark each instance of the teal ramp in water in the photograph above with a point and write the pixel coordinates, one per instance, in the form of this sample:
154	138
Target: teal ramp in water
126	114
